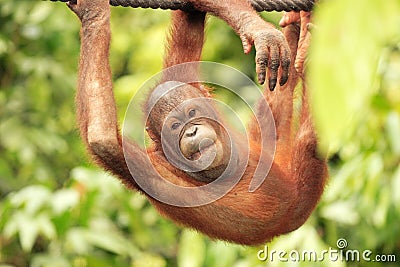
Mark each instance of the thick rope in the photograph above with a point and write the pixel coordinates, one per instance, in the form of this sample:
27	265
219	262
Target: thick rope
259	5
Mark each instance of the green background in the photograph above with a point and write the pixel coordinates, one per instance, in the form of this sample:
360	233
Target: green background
58	209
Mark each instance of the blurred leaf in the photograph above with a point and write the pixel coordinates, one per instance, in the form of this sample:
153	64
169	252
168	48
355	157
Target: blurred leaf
29	226
347	212
106	240
395	188
77	242
221	254
49	261
28	230
344	58
191	249
64	199
45	226
31	198
149	260
393	128
101	234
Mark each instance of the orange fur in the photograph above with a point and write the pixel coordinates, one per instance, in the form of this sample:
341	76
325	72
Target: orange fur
284	200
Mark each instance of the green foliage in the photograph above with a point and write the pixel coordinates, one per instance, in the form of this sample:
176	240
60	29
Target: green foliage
57	209
344	78
37	130
88	221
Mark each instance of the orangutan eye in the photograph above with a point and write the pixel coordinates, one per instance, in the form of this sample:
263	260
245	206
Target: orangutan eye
175	125
192	112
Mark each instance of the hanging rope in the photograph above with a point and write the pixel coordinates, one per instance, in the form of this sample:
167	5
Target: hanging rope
259	5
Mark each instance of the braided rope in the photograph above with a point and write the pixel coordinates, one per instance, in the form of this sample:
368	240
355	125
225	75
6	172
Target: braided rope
259	5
